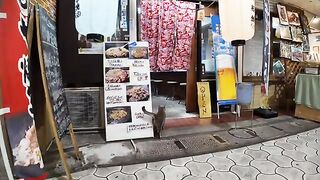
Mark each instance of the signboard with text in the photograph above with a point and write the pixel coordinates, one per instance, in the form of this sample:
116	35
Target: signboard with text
126	90
204	100
52	71
16	91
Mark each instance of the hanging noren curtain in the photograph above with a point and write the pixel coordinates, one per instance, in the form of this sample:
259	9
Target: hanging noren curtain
168	26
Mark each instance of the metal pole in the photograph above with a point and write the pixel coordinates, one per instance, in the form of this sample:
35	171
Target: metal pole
240	63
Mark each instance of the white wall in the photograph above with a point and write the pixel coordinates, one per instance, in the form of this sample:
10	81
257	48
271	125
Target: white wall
253	52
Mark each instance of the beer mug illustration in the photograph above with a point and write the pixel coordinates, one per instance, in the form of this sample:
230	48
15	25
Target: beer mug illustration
226	77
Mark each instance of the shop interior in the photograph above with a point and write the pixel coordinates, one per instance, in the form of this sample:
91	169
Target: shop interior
173	88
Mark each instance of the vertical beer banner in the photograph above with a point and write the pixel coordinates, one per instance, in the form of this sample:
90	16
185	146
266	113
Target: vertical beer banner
266	48
15	78
223	55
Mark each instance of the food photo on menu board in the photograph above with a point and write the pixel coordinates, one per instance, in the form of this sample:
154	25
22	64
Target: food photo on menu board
119	115
138	53
117	75
137	93
116	50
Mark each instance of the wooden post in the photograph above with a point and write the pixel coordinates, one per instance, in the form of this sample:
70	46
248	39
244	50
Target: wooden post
191	91
74	142
57	139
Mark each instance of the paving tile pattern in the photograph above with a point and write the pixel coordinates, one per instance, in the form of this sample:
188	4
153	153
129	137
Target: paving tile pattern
291	158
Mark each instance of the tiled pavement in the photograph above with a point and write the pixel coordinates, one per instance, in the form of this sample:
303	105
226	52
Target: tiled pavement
291	158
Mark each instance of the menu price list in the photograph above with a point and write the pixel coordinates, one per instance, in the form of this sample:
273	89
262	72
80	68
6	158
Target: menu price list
127	89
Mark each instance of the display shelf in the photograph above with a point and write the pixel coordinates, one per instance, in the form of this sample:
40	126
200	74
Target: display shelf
310	64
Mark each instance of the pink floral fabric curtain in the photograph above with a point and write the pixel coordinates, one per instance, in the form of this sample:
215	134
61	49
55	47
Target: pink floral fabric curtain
168	26
150	28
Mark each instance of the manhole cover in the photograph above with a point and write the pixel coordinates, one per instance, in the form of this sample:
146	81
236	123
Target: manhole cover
242	133
199	143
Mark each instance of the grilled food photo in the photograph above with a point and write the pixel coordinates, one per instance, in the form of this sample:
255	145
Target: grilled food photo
118	114
117	52
139	53
117	76
137	93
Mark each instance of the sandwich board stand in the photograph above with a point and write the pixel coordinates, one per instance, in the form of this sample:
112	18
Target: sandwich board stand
55	100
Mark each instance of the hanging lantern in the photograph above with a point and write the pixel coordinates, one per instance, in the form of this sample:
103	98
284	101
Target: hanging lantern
237	19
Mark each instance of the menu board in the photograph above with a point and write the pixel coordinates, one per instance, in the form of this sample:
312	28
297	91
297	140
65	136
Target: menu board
52	71
126	90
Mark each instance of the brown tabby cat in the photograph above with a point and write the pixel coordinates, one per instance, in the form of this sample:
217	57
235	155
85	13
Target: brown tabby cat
157	119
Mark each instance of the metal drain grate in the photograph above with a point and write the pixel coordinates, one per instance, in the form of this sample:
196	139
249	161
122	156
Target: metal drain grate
252	133
200	143
179	144
277	128
219	139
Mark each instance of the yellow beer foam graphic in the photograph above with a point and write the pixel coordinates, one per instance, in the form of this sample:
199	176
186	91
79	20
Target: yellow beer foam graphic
226	77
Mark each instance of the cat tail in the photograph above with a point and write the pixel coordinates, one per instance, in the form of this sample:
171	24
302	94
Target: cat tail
147	112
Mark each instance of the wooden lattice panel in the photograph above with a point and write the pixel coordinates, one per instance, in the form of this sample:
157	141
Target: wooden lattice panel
279	89
279	96
292	70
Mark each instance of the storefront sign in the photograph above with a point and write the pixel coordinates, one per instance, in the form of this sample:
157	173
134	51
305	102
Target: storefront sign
126	90
16	93
52	71
204	100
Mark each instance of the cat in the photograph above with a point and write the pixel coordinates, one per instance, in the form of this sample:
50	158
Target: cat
157	119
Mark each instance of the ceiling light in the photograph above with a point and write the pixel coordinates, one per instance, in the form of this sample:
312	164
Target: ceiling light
315	23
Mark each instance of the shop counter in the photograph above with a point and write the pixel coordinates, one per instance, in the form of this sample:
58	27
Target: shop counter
307	96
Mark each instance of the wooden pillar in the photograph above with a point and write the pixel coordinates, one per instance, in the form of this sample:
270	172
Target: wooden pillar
191	94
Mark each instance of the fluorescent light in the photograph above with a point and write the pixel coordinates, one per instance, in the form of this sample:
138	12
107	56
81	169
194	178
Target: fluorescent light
315	23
